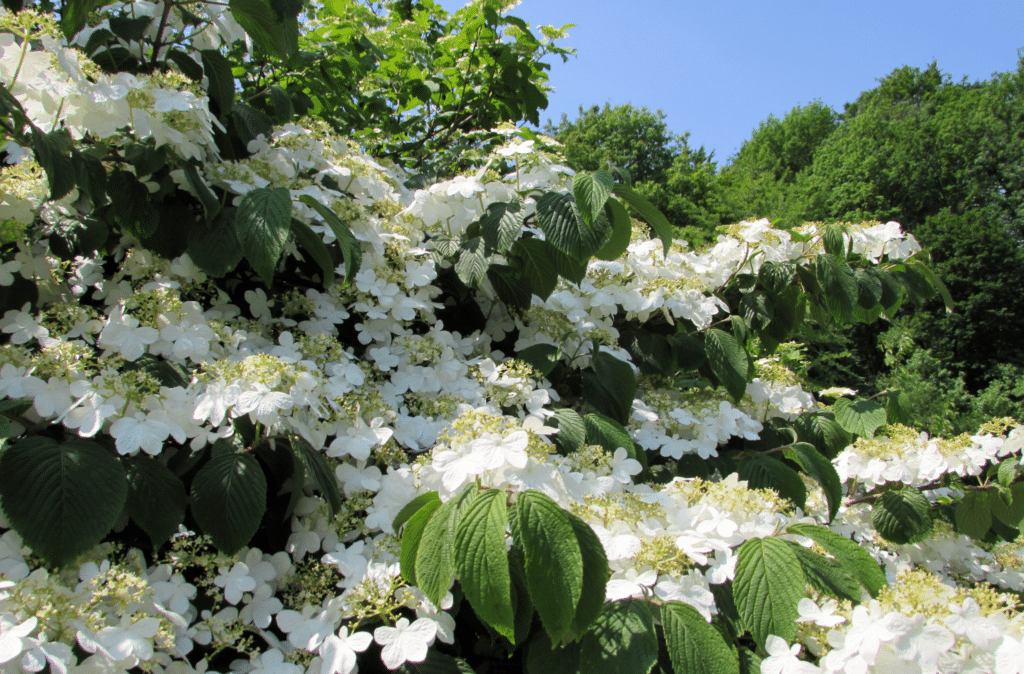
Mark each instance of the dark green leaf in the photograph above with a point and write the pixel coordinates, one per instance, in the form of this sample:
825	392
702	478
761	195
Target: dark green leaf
616	377
622	639
595	577
262	225
973	514
217	250
74	16
538	265
821	470
762	471
501	224
827	576
128	28
903	515
571	434
229	498
542	357
167	373
838	286
350	246
646	210
260	21
472	263
251	123
834	243
566	230
314	245
221	88
435	563
210	203
61	498
511	286
622	232
188	67
823	431
541	658
131	204
694	646
316	467
728	361
156	498
898	408
52	152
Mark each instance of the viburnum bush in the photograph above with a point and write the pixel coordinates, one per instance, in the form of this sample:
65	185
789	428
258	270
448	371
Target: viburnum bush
272	404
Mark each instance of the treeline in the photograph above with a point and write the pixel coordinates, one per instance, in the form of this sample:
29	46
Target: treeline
945	159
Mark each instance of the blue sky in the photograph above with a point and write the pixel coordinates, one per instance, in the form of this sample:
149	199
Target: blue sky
719	67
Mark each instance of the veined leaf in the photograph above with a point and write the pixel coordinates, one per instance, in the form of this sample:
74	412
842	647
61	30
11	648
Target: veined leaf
565	228
903	515
543	658
435	562
852	556
838	287
542	357
538	264
767	588
549	542
622	231
472	263
51	151
617	378
728	361
835	245
511	286
131	205
482	562
823	431
973	514
229	497
821	470
413	506
595	577
262	225
622	639
156	498
222	82
61	498
591	191
216	251
694	646
827	575
501	224
762	471
861	417
571	430
260	21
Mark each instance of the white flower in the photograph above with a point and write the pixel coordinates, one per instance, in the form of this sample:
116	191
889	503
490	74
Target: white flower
404	642
272	662
339	652
784	659
12	635
139	432
811	612
235	582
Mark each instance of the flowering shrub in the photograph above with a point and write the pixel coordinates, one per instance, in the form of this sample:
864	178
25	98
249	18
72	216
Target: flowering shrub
272	405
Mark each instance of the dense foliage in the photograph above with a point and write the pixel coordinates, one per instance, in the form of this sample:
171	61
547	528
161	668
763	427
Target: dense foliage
277	400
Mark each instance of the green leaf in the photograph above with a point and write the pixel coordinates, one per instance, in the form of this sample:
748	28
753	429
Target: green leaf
413	534
622	232
542	658
437	662
229	497
646	210
314	245
501	224
482	562
210	203
821	470
1010	514
538	265
838	286
823	431
564	228
869	289
156	498
572	433
903	515
316	467
435	564
694	646
128	28
728	361
616	377
775	277
472	263
61	498
216	251
541	357
1008	471
131	204
852	556
973	514
412	507
899	408
762	471
549	542
250	123
52	152
935	282
595	577
607	432
186	64
591	191
350	246
74	16
167	373
827	576
262	225
221	88
859	416
833	241
767	588
622	639
260	21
